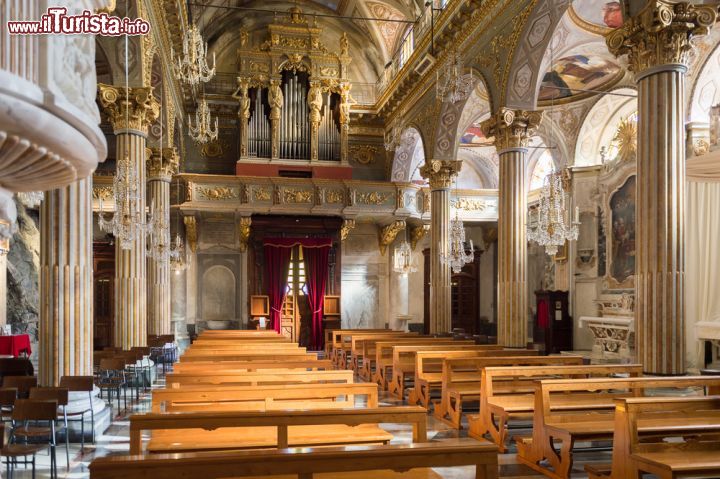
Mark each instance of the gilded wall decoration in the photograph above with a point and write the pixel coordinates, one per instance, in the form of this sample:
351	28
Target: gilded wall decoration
103	193
372	198
261	194
334	196
388	233
214	149
363	154
243	232
469	204
348	224
297	196
217	193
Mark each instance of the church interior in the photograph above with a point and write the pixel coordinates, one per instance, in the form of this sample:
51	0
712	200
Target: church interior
360	239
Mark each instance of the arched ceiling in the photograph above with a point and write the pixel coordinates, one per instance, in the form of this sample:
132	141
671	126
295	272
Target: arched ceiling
372	42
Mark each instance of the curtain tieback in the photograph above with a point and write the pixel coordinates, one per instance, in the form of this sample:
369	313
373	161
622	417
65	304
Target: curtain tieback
276	310
318	311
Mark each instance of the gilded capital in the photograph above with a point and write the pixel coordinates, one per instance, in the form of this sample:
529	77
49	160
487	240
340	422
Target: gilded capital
511	128
129	108
440	173
661	34
162	166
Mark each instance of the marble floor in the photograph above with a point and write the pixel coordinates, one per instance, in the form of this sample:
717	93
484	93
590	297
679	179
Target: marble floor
115	441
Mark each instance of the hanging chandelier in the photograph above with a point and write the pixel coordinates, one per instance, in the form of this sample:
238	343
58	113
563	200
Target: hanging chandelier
192	67
457	257
549	228
127	223
403	261
202	132
452	85
158	231
177	256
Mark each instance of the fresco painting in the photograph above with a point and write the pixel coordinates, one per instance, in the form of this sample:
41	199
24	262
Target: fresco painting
574	73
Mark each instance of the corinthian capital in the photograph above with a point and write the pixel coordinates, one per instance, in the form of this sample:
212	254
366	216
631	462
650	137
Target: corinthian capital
661	33
511	128
440	173
162	166
129	108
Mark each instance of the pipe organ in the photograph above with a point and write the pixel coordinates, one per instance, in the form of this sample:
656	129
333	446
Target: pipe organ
293	94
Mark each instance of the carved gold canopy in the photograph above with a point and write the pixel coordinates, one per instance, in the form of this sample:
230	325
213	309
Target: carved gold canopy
293	43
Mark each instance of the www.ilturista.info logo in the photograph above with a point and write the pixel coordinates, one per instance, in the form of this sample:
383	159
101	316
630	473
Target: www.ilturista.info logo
57	21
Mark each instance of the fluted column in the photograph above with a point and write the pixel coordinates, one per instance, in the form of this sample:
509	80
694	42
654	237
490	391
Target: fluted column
658	42
160	169
131	113
440	175
66	283
511	130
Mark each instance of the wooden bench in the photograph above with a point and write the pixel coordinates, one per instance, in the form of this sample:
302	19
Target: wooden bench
403	361
643	427
380	367
368	353
353	355
590	416
301	365
304	463
509	393
223	344
340	348
462	378
249	356
213	376
262	398
333	338
210	430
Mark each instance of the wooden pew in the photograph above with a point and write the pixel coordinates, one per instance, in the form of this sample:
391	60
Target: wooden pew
509	393
256	343
643	427
304	463
462	377
264	365
403	361
212	376
249	356
428	370
333	338
259	398
342	351
353	354
368	355
210	430
592	416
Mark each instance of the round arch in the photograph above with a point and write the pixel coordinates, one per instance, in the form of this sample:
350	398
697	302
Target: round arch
706	89
409	155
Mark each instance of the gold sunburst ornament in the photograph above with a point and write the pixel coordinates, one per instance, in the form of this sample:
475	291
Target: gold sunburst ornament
626	139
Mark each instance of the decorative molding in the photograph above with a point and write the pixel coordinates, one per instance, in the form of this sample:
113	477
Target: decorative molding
243	229
417	233
372	198
218	193
297	196
348	224
191	232
511	128
388	233
129	109
103	193
363	154
439	173
469	204
162	167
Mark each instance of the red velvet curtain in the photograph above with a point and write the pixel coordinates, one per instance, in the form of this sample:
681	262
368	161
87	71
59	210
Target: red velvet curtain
277	261
316	272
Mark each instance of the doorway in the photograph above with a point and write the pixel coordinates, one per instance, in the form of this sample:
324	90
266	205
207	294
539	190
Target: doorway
296	314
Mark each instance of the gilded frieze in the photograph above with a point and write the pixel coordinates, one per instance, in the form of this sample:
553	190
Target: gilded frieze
297	196
261	194
217	193
469	204
103	193
372	198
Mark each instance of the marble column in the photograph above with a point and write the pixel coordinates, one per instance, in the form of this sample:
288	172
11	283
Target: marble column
131	113
440	175
161	166
657	41
66	283
511	130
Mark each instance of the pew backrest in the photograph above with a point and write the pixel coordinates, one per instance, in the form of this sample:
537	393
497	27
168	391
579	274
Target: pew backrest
212	376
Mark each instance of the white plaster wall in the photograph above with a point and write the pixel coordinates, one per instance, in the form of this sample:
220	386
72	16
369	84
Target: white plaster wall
487	282
585	295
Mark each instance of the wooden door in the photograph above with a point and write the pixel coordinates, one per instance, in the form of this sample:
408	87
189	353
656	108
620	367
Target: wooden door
103	295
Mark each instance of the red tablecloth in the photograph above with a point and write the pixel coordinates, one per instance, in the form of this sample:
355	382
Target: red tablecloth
13	345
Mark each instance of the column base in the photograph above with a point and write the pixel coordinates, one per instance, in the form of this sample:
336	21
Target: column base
79	401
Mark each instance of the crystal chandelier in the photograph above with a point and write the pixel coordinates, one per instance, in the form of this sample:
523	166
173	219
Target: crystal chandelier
127	223
452	85
403	261
202	132
158	236
457	257
192	67
178	258
549	228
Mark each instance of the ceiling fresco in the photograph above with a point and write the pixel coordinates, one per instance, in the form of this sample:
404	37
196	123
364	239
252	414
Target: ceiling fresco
597	15
474	137
590	70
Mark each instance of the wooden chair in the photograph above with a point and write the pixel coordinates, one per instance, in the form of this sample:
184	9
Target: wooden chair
37	412
23	384
81	384
111	377
7	401
12	452
60	395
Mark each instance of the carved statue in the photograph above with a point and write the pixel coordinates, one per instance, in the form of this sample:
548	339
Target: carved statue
244	102
275	98
344	47
315	101
346	100
243	38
